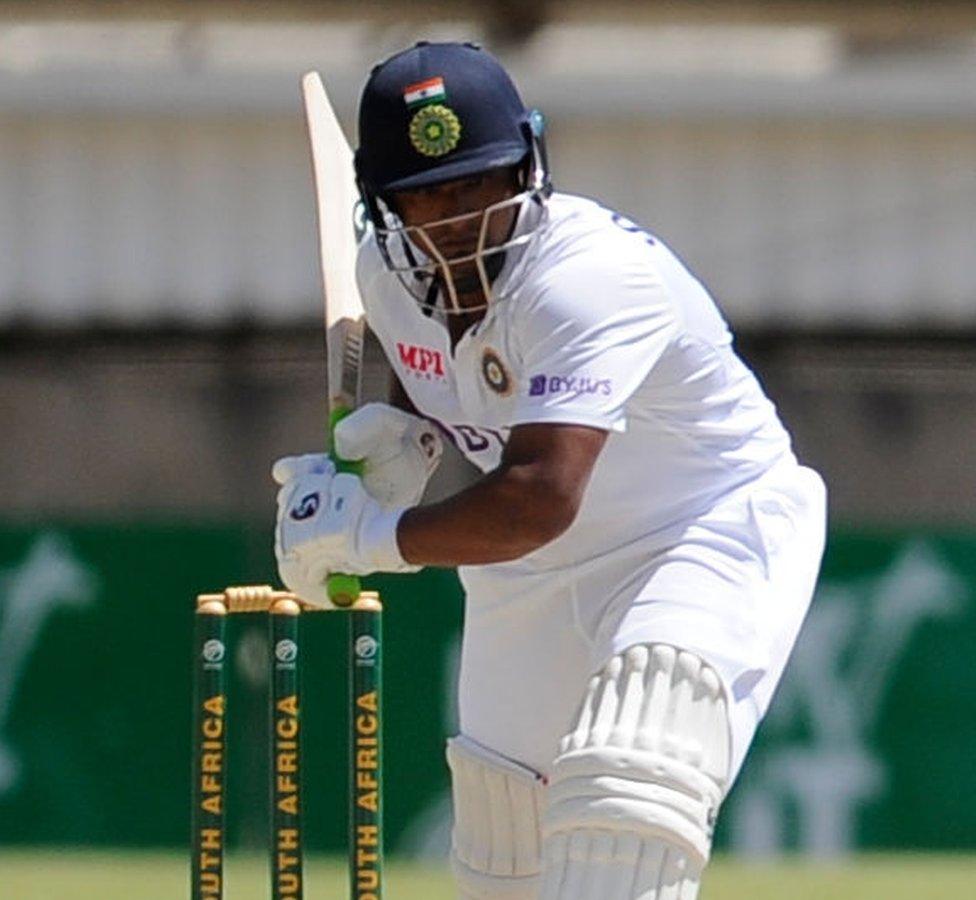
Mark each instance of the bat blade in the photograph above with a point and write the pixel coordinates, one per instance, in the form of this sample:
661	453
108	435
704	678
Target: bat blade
336	200
337	204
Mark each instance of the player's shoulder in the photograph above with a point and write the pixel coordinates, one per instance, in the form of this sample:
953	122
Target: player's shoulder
576	221
586	240
588	250
599	265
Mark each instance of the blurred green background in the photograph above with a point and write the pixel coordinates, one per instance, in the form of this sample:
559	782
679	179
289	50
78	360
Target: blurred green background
867	745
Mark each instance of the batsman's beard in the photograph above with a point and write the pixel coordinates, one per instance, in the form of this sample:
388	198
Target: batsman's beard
467	281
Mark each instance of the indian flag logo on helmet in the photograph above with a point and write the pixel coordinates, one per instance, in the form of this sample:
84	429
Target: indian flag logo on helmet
435	128
429	91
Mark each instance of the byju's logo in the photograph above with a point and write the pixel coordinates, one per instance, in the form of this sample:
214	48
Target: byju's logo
539	385
307	507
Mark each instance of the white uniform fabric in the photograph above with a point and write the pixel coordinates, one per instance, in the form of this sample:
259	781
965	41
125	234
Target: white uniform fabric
698	528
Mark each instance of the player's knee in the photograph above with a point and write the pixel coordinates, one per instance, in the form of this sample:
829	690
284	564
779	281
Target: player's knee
636	787
496	844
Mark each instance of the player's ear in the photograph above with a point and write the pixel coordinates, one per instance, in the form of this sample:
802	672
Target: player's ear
520	176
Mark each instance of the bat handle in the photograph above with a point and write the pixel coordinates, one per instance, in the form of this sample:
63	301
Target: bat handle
343	589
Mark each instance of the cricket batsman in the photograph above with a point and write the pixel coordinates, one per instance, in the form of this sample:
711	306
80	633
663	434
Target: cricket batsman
643	545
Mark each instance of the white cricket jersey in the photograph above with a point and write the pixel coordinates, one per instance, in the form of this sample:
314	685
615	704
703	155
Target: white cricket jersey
697	529
598	324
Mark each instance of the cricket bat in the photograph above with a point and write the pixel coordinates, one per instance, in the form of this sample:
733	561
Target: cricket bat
345	324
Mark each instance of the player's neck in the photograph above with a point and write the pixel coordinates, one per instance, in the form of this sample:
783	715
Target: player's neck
459	323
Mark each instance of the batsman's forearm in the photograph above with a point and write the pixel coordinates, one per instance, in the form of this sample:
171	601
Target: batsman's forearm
506	515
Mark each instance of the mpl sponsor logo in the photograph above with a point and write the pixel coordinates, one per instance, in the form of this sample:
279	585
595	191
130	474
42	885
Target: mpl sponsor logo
541	385
422	362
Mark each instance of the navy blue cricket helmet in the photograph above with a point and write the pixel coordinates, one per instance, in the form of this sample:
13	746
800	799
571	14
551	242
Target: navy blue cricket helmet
440	111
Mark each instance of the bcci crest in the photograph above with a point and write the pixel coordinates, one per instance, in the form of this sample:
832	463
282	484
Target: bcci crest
495	373
435	130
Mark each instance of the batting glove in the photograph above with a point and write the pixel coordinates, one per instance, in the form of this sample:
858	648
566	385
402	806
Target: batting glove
304	481
400	451
329	523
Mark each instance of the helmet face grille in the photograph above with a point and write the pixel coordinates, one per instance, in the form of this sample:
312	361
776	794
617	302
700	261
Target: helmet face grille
431	278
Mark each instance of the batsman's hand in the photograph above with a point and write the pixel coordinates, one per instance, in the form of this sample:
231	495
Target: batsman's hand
400	451
329	523
303	481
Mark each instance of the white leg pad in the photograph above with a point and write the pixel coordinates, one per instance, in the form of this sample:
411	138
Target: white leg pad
638	782
496	843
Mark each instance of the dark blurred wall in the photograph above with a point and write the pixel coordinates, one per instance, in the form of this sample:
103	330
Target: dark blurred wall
112	424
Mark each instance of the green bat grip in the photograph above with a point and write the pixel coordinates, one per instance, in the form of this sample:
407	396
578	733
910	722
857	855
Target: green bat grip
343	589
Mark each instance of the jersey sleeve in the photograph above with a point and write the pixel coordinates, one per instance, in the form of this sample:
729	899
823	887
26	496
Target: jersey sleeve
588	340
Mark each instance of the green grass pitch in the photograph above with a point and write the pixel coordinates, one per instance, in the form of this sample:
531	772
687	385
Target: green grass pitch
84	875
